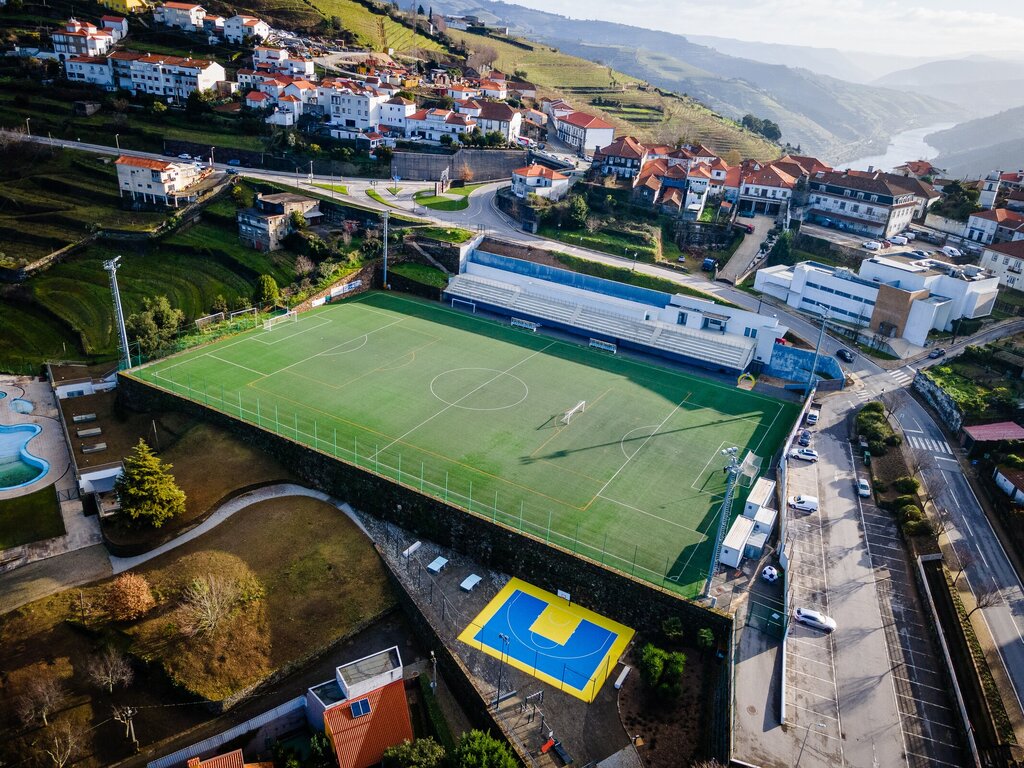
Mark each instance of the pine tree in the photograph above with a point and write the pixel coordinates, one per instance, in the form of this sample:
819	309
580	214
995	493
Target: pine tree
147	490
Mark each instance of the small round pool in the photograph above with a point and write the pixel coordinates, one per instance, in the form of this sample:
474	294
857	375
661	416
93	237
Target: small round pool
2	394
22	406
18	467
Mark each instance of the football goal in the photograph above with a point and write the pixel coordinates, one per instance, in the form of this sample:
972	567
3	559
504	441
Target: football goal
578	408
289	316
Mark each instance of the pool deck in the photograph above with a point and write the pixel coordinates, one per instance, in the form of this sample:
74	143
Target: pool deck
50	445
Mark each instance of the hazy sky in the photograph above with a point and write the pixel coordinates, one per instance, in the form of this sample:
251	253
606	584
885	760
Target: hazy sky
913	27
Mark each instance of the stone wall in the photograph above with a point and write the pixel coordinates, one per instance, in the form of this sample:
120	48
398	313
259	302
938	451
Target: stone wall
937	398
369	275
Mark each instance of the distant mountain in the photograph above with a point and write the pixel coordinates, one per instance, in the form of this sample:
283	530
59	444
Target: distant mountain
826	116
979	146
979	85
855	66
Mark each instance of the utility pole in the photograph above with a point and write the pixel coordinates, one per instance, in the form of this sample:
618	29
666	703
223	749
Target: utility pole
733	470
122	333
817	350
125	715
501	666
386	216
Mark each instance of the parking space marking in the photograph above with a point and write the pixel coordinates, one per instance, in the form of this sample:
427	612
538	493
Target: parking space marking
816	712
932	760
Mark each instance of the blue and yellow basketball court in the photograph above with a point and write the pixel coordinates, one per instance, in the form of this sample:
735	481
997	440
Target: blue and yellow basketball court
562	644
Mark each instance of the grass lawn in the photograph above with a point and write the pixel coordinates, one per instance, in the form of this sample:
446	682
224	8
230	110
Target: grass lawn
30	518
603	241
316	577
373	194
467	190
440	203
341	189
422	273
468	410
446	234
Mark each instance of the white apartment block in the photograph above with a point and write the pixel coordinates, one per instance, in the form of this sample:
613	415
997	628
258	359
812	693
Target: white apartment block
169	77
186	16
238	28
1006	261
866	203
585	133
432	124
895	297
157	182
395	112
280	61
350	106
84	39
95	70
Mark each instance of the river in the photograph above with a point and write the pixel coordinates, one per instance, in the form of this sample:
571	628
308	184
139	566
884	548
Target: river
909	145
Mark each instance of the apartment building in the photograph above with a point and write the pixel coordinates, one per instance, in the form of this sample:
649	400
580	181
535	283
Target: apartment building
80	38
280	61
997	225
350	107
169	77
767	189
266	225
432	124
186	16
240	28
157	182
868	203
1006	261
584	132
95	70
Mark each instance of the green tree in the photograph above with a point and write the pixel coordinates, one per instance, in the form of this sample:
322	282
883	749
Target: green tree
220	304
267	291
782	251
477	749
298	221
155	325
146	488
705	639
422	753
578	211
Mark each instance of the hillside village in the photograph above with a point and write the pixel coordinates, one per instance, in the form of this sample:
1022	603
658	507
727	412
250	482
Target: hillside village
369	404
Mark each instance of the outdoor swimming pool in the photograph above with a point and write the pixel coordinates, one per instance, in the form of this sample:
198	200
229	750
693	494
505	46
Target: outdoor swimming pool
18	467
22	406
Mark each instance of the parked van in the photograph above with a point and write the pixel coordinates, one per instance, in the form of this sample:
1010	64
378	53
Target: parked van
812	416
804	503
953	253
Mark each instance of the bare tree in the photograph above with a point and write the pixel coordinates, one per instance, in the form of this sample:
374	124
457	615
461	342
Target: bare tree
966	560
42	697
304	265
109	668
482	58
986	597
890	401
207	601
129	597
63	743
592	224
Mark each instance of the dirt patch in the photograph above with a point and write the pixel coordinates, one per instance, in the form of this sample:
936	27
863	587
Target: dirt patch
670	734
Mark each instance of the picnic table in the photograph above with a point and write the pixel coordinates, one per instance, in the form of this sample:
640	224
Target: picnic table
469	582
437	564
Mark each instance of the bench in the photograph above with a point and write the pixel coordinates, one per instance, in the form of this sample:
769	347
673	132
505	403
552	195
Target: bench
437	564
621	678
412	548
469	582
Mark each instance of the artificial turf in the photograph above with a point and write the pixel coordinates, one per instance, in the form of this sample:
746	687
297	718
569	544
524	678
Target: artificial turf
469	410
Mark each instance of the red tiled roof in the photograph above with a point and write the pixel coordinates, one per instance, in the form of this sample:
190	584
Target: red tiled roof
1015	476
1000	215
1014	248
256	96
769	176
359	742
532	171
181	6
583	120
143	162
1003	430
229	760
627	146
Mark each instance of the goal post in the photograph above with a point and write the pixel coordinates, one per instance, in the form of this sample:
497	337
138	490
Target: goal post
580	407
750	468
289	316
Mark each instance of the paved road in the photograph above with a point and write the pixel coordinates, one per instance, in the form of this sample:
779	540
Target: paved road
743	258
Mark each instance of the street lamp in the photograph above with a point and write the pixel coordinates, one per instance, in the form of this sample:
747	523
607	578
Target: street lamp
28	128
310	171
501	665
817	348
117	141
211	155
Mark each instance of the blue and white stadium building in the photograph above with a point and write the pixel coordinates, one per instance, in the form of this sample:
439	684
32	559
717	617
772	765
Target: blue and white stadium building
681	328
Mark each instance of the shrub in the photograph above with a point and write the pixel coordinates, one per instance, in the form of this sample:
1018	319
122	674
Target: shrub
671	685
893	439
873	407
876	447
129	597
903	501
906	485
910	514
918	528
672	628
881	486
652	664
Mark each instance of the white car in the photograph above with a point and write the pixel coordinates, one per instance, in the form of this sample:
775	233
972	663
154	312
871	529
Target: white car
770	574
806	454
863	489
898	240
872	245
184	156
909	235
816	619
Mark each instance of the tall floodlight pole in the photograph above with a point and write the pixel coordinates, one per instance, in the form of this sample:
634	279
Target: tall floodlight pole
122	332
733	471
386	216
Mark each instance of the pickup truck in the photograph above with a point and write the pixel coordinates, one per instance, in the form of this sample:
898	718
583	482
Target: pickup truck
812	415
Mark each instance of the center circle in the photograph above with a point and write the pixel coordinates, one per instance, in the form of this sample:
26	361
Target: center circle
479	389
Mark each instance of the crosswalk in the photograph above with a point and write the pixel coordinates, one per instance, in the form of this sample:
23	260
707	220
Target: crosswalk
928	444
903	375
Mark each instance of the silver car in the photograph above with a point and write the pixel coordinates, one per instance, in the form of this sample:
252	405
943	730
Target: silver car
815	619
807	454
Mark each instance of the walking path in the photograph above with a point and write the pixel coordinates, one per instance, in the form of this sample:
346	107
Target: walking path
226	510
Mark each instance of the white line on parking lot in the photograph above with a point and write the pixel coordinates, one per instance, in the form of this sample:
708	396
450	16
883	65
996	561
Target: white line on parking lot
812	693
933	761
816	712
908	681
804	673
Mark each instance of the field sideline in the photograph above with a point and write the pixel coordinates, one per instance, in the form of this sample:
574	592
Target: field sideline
469	410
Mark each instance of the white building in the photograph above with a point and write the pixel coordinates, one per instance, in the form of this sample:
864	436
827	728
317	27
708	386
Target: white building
766	189
990	189
84	39
186	16
95	70
239	28
868	203
157	181
279	61
584	132
539	180
432	124
998	225
500	117
169	77
395	112
894	296
350	106
1006	261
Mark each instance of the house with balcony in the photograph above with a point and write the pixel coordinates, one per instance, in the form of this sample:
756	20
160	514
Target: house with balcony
767	190
539	180
1006	261
623	158
157	182
186	16
432	124
350	107
280	61
918	169
871	204
584	132
171	78
998	225
270	220
79	38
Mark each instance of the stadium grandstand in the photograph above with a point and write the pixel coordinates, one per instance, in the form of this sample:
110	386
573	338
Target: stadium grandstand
678	327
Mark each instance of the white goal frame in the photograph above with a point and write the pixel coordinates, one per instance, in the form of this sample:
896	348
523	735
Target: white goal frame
580	407
289	316
207	320
467	302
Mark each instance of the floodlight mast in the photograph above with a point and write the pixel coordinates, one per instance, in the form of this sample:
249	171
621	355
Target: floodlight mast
122	333
733	471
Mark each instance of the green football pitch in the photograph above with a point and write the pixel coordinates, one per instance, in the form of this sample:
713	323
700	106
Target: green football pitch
470	410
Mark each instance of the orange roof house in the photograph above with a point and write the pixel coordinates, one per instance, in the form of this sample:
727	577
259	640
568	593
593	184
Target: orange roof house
229	760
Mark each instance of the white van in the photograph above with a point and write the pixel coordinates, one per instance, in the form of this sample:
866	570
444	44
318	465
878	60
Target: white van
804	503
953	253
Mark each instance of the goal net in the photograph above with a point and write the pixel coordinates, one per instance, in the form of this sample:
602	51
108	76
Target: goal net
288	317
203	322
750	468
578	408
